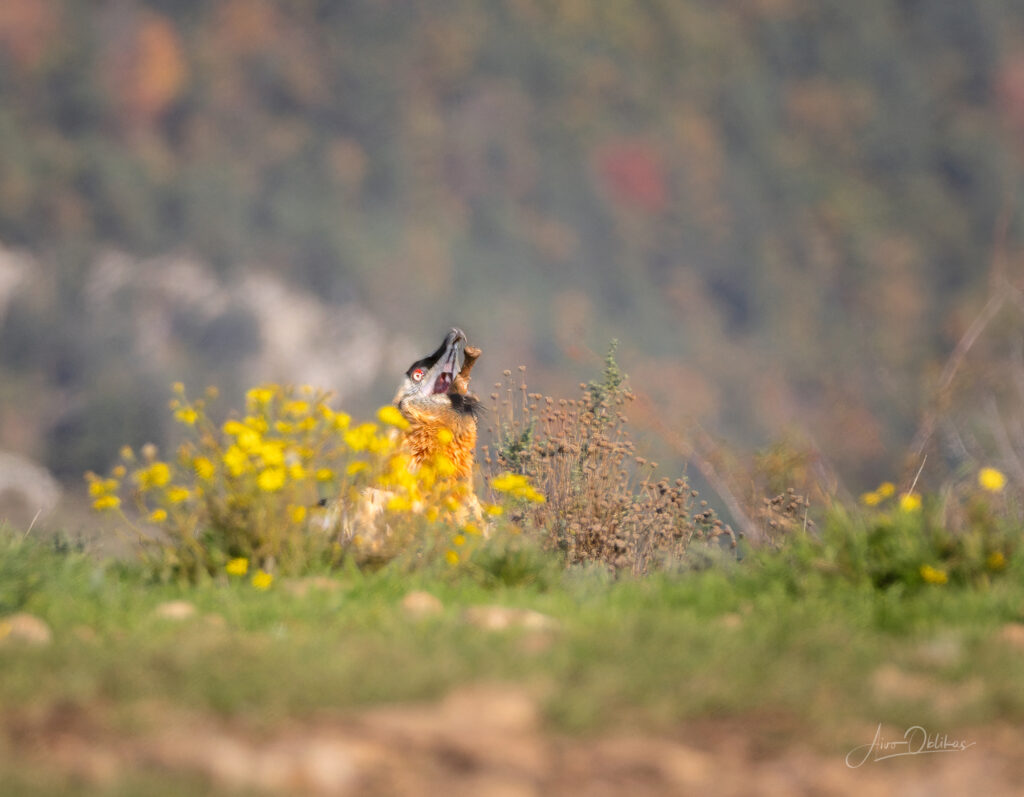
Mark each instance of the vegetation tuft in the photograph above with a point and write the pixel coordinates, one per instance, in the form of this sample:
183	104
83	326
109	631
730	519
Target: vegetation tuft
603	502
292	486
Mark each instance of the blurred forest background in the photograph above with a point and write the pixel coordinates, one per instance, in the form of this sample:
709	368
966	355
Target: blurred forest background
784	210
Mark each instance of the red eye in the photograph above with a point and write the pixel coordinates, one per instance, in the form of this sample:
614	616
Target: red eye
417	375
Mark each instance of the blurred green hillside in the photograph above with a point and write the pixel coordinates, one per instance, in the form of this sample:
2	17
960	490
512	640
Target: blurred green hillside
785	210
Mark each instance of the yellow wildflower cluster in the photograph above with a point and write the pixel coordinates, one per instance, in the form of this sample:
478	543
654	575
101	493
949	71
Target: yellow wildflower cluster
879	494
517	486
103	492
990	479
932	575
239	566
244	486
246	491
907	502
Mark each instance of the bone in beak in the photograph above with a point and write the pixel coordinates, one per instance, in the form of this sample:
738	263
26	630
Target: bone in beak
461	383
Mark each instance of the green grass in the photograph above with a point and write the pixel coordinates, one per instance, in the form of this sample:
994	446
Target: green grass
801	640
776	635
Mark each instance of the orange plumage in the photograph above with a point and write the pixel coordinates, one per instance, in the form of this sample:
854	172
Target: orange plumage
434	398
425	438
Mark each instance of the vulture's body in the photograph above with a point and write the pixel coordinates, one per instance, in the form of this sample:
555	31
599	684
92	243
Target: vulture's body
434	399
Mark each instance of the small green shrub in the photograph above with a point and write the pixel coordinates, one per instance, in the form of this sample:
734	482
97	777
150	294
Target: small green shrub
907	542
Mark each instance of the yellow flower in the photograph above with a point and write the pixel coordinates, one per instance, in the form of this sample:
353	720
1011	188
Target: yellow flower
910	502
451	557
236	461
296	472
156	475
204	468
297	513
176	494
444	436
518	486
535	497
494	510
341	420
101	487
271	480
995	561
271	452
233	427
886	489
509	482
471	528
119	471
238	566
187	416
296	408
127	454
249	440
991	479
399	503
324	474
459	539
158	516
106	502
932	575
261	579
260	395
284	427
874	498
391	416
354	467
362	437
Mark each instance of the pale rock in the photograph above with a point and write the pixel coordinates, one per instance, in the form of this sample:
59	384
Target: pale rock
501	618
419	604
175	610
24	627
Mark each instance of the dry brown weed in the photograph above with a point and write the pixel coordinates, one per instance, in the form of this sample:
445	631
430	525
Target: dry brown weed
604	503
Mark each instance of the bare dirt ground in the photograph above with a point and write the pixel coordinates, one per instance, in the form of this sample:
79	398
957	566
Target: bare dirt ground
489	740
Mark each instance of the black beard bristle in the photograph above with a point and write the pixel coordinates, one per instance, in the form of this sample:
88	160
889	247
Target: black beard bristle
467	405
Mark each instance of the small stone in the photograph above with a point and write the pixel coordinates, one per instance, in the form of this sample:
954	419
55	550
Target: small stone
500	618
24	627
175	610
420	604
1013	634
